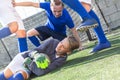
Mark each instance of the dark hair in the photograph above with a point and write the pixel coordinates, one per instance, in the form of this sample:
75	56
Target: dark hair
74	44
56	2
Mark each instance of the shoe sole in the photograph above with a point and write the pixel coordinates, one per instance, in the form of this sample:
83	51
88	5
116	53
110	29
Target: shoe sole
81	29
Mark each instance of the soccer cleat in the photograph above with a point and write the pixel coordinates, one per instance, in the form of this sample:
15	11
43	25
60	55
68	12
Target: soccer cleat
101	46
86	24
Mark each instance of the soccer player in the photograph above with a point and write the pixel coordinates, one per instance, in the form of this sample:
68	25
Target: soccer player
83	8
56	51
12	23
58	19
88	21
103	42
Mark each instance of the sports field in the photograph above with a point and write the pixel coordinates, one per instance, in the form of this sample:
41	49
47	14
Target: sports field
104	65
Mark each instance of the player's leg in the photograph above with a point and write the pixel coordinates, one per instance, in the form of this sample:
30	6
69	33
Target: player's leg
22	40
88	21
41	32
102	40
5	74
6	31
32	33
16	65
20	75
21	34
45	32
2	76
58	36
8	20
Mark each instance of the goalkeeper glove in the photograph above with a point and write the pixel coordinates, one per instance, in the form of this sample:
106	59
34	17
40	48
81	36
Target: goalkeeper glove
41	61
27	62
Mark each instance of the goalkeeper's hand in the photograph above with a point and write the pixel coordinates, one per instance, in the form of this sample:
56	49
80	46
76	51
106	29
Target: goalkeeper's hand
27	62
41	61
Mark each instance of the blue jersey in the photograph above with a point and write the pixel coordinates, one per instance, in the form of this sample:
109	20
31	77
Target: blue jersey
57	24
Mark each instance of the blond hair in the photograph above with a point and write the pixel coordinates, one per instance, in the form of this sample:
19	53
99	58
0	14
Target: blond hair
73	43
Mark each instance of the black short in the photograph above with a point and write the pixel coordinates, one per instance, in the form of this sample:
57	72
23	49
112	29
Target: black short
45	33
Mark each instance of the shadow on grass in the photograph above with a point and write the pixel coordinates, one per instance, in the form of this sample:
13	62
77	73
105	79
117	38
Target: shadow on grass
91	58
113	40
87	59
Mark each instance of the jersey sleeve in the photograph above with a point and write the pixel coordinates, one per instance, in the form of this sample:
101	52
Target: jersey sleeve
45	45
45	5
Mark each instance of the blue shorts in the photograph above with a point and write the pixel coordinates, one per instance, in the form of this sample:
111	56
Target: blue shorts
45	33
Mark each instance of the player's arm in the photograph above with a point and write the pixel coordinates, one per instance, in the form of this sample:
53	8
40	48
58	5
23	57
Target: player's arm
27	4
56	64
43	47
70	24
76	35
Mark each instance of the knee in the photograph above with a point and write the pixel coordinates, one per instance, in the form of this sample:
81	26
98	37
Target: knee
21	33
29	33
13	27
20	76
32	32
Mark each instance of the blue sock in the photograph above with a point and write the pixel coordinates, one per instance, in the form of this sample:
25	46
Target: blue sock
10	78
77	6
34	40
22	44
98	30
4	32
2	76
17	76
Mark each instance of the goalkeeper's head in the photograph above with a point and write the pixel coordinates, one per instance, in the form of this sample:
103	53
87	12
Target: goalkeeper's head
67	45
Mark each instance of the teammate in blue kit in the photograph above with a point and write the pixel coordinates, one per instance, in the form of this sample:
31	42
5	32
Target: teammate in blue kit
56	51
58	19
83	8
88	21
12	24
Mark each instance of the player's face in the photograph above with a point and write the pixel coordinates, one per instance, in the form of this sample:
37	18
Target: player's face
63	47
57	10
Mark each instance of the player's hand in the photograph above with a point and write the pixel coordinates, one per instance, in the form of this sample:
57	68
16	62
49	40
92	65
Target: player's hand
13	3
41	61
81	48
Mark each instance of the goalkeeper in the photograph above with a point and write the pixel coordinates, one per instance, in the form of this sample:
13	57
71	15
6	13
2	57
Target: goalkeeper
43	59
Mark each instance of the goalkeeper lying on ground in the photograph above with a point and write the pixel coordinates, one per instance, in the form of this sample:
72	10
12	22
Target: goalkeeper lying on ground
43	59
